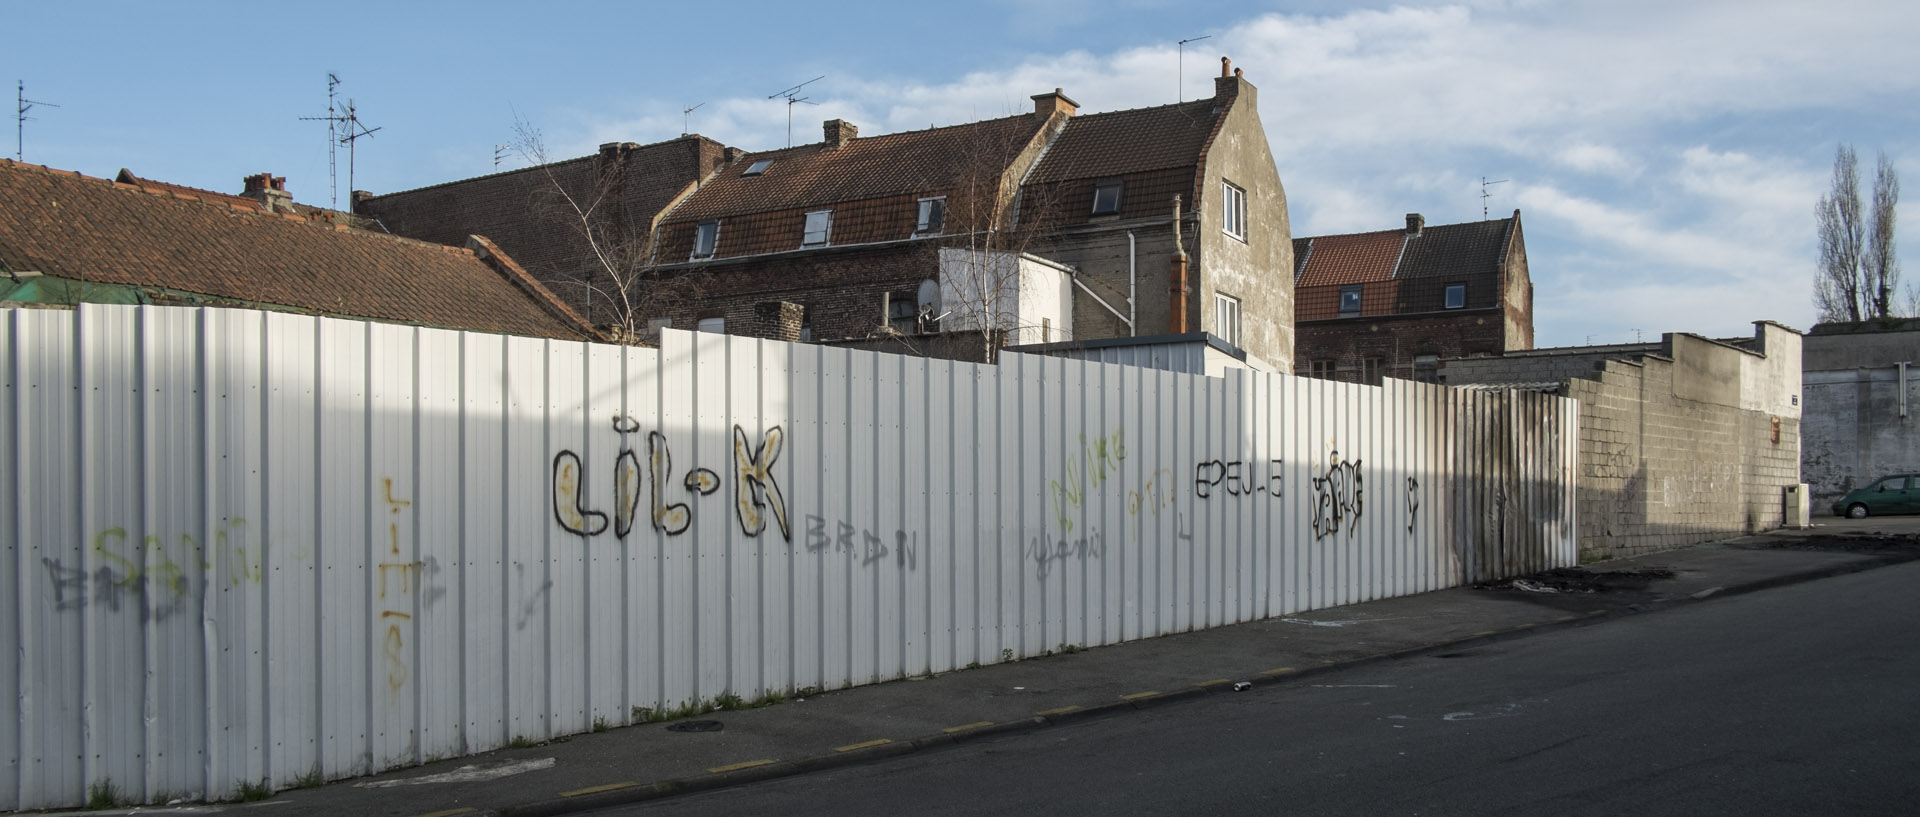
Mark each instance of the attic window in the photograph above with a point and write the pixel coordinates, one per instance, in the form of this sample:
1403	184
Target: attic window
1106	197
758	167
819	229
705	235
933	215
1350	299
1233	212
1456	296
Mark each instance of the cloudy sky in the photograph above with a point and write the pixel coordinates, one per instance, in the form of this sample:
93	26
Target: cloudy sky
1666	156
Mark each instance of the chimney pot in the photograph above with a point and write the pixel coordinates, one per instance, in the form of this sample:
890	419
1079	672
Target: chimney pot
1052	103
1416	223
270	191
1224	65
840	132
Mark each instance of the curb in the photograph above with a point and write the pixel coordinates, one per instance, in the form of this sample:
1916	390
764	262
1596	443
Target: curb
645	792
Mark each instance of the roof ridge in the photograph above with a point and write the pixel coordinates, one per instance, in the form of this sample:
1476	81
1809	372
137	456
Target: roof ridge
1194	102
891	134
681	138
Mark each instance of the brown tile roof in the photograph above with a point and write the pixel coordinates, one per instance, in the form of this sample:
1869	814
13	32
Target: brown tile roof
864	168
80	228
1132	141
182	191
1440	251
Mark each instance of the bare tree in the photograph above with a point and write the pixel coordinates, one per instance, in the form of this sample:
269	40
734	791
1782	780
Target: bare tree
615	269
1859	270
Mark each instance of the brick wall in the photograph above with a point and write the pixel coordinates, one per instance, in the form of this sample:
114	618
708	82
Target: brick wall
1396	340
838	290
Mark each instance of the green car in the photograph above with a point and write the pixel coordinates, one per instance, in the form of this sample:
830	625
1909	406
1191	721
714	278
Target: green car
1899	493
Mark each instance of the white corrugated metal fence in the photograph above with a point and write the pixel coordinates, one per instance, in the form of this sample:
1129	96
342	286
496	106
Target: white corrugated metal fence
252	546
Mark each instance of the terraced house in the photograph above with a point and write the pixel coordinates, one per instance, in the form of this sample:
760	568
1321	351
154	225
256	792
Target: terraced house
1044	226
1393	303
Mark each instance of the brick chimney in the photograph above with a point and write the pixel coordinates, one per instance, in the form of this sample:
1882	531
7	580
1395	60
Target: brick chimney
270	191
1416	223
732	155
839	133
1048	104
1227	85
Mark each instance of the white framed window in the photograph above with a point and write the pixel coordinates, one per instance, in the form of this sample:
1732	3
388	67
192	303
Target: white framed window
717	326
1350	299
1456	296
1106	197
1233	210
819	229
706	235
933	215
1226	317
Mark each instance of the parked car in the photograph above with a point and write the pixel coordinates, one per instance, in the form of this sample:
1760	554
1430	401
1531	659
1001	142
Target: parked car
1899	493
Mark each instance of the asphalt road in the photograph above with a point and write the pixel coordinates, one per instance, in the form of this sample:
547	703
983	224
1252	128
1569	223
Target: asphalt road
1796	700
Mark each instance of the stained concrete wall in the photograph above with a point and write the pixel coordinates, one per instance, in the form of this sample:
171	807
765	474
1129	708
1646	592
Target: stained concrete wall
1854	428
1256	269
1677	446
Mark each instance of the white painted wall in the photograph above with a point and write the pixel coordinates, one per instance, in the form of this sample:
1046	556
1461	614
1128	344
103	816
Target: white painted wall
1017	293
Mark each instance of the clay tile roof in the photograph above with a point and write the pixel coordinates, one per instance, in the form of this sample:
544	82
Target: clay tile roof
864	168
1440	251
180	190
1132	141
79	228
1347	259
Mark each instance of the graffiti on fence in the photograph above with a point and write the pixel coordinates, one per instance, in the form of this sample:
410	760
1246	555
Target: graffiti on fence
160	576
1045	550
1413	502
1089	465
396	608
757	494
864	545
1239	478
1338	498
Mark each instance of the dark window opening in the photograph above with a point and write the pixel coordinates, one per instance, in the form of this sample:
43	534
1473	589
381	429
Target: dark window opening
1350	299
1456	296
1106	197
901	313
933	215
705	237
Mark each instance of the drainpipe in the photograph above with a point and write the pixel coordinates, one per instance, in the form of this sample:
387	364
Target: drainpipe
1903	386
1133	319
1177	281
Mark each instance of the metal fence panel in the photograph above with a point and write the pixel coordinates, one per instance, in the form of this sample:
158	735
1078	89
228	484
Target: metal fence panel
249	546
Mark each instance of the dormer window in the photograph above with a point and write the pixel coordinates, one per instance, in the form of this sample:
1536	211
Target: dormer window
1106	197
758	167
933	215
1350	299
705	236
1456	296
819	229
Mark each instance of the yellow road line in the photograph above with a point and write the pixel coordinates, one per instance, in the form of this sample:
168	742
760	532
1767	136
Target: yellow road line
738	766
624	784
1215	682
965	727
1061	711
1138	695
867	745
1280	671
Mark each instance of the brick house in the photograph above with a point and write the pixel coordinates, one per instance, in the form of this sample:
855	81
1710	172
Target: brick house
67	239
1037	226
1393	303
543	215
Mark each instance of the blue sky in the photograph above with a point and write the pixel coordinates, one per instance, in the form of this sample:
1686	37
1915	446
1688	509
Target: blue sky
1666	156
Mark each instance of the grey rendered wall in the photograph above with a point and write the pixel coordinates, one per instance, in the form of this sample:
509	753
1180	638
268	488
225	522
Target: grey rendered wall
1854	431
1258	270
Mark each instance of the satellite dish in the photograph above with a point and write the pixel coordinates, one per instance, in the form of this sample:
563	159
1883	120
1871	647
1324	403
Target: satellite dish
929	296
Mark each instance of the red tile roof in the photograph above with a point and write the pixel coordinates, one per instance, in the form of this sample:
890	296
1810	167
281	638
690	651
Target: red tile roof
1347	259
1440	251
184	192
80	228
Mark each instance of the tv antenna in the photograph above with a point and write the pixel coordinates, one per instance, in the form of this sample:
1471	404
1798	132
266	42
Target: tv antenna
1180	75
20	119
1484	184
793	96
499	152
688	113
343	128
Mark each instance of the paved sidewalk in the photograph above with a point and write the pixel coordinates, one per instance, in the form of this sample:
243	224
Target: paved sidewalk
855	725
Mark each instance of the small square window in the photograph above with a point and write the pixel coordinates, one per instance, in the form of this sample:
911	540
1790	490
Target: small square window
1322	369
758	167
1226	317
1233	214
819	229
1456	296
705	236
1350	299
933	215
1106	197
717	326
